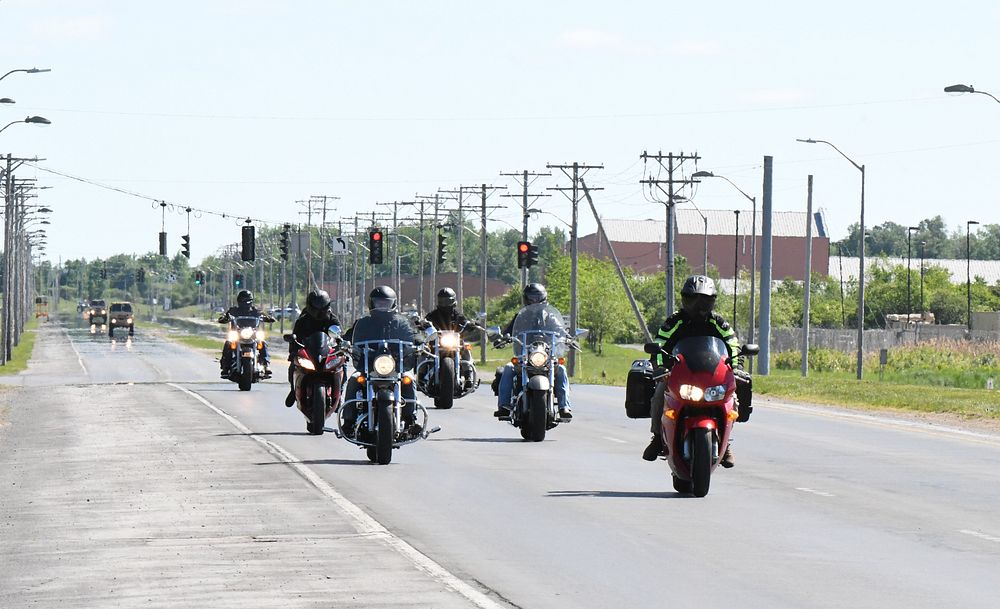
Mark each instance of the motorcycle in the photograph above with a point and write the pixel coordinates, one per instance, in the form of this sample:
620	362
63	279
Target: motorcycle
540	342
699	408
246	339
320	368
380	417
443	374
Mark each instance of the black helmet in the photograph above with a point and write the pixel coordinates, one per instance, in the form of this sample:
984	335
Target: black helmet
698	296
382	298
446	298
318	304
245	297
534	293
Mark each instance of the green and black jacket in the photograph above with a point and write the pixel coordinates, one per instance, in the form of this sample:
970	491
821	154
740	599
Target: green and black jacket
681	325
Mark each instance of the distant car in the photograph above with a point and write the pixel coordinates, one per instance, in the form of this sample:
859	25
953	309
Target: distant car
286	313
97	313
121	317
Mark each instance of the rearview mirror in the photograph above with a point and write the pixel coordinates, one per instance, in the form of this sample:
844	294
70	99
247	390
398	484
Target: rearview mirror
334	328
750	349
493	329
581	332
651	348
288	338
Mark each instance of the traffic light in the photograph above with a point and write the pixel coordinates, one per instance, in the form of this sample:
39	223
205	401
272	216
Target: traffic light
442	248
523	247
249	244
186	246
140	275
163	244
284	242
199	277
532	256
375	246
238	280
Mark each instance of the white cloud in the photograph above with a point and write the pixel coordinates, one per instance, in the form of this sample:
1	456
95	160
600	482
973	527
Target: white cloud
78	28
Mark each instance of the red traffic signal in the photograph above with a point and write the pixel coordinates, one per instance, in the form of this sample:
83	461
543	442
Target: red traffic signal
376	236
522	253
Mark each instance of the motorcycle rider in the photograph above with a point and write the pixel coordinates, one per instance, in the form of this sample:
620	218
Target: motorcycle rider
447	317
534	293
244	308
383	321
316	317
695	318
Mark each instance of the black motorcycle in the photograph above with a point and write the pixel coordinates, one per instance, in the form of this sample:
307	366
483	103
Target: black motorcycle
246	337
442	374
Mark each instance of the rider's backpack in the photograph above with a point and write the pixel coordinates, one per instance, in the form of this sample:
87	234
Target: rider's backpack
639	388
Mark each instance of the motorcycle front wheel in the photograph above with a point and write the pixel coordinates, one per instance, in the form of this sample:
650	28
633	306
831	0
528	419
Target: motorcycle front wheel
701	461
317	411
446	384
537	415
246	377
383	434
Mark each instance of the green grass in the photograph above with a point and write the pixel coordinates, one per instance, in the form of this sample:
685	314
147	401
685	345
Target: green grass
196	341
843	389
22	352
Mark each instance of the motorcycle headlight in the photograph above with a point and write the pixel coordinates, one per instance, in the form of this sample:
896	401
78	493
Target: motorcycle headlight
246	333
449	340
538	358
384	365
261	336
714	394
114	321
306	363
692	393
103	311
232	336
130	321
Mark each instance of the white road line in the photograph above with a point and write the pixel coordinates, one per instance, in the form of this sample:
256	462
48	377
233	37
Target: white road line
980	535
73	345
814	492
888	422
365	523
615	440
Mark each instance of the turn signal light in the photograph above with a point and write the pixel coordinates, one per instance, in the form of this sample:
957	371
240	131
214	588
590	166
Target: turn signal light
671	414
361	379
514	360
562	361
733	415
407	380
468	347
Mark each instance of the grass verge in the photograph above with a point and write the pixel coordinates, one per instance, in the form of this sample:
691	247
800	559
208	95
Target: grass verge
22	352
191	340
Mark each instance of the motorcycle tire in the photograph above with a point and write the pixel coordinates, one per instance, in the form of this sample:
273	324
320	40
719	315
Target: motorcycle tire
317	411
383	434
702	456
681	486
246	378
372	454
446	386
538	414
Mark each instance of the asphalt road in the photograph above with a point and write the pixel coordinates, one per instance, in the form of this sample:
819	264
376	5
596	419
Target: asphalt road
132	477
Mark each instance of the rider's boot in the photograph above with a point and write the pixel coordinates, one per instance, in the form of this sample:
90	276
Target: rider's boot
290	399
565	412
502	413
728	460
655	448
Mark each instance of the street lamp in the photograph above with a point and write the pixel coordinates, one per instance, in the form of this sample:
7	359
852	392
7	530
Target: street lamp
968	275
967	89
31	119
736	262
27	71
753	250
909	306
922	244
861	255
6	100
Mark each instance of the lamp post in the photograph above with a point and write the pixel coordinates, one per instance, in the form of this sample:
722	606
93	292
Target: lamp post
922	244
31	119
736	262
909	306
968	274
861	256
26	71
6	100
967	89
753	251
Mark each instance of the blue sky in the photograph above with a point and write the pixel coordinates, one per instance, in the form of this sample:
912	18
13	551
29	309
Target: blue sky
247	107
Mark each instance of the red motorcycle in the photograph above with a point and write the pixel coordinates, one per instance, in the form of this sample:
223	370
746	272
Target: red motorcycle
319	375
699	408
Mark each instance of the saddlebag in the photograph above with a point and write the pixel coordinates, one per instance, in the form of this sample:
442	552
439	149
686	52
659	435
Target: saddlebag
495	385
744	395
639	388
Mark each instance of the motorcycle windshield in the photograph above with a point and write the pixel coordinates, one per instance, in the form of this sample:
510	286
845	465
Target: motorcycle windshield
317	346
383	333
538	323
702	353
246	322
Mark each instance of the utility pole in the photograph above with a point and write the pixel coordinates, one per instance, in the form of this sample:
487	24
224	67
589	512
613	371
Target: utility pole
483	249
576	176
420	203
525	183
322	235
397	283
808	282
437	228
460	237
674	163
309	278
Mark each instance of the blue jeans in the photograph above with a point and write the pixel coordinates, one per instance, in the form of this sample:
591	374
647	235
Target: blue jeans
507	386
